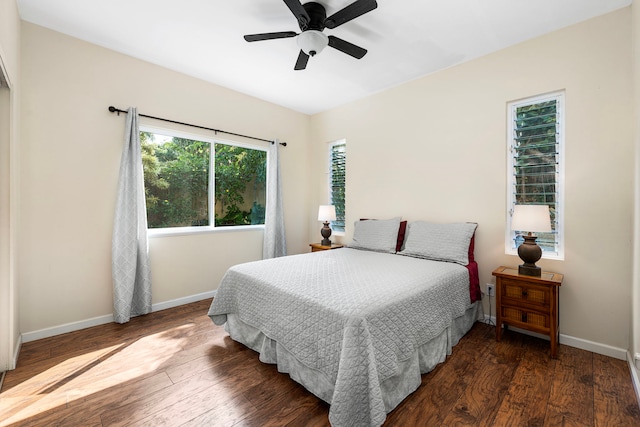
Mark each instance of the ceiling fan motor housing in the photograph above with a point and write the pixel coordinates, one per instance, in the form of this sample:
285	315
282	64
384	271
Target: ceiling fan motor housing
317	16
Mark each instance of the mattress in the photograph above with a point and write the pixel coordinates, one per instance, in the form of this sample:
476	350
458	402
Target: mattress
356	328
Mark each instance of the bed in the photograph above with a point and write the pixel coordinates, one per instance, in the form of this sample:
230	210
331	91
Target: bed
356	326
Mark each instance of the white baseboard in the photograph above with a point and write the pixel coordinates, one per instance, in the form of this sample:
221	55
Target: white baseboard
101	320
606	350
594	347
182	301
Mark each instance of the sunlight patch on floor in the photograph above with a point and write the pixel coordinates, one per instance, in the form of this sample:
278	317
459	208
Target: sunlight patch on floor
82	376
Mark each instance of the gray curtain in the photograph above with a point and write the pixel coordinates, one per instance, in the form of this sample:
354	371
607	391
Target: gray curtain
274	238
130	249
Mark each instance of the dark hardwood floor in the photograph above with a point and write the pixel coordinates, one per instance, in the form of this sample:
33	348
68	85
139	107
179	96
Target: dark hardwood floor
175	368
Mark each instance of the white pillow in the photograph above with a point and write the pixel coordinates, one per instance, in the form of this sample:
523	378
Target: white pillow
439	242
376	235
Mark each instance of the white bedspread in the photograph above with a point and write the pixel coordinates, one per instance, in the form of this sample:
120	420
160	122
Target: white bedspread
352	315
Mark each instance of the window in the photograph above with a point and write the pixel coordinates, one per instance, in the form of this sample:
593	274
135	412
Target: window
337	175
181	191
535	166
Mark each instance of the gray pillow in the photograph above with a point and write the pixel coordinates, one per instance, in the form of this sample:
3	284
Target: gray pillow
439	242
376	235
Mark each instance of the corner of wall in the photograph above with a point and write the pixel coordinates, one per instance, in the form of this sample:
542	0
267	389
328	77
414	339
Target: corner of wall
634	368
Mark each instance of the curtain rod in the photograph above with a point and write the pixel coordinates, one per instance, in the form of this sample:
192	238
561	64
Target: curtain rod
118	110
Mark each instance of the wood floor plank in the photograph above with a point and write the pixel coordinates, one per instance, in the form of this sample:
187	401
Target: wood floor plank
488	387
613	403
187	367
21	409
175	367
92	406
151	403
522	404
298	409
555	419
215	398
233	375
572	386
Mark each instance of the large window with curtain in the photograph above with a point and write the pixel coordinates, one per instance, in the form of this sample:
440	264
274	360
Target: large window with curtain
536	166
195	183
337	181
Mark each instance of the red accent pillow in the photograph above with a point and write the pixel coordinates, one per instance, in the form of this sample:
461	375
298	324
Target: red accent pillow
401	232
474	278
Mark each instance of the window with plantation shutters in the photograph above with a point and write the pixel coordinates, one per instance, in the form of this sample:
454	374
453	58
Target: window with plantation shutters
337	175
535	166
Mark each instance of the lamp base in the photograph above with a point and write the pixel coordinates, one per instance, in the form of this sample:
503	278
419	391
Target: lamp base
326	233
530	253
526	270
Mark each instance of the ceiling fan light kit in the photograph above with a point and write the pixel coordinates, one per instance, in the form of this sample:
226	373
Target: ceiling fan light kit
312	20
312	42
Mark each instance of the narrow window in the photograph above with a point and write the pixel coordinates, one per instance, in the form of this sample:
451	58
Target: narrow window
535	166
337	181
195	183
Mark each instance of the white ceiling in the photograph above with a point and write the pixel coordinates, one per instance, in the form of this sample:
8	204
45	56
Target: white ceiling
405	39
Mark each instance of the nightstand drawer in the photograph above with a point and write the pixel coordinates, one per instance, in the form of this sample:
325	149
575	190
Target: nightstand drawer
528	319
519	293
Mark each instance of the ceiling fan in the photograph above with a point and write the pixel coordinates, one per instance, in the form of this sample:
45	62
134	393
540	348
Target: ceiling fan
312	20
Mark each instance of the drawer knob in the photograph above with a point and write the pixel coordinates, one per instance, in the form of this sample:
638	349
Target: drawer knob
524	294
524	317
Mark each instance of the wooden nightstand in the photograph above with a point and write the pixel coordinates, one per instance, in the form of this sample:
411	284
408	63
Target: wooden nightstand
528	302
316	247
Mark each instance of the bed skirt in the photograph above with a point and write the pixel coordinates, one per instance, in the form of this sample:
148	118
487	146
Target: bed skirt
394	389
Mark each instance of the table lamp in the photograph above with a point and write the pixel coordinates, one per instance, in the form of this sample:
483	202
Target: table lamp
530	218
326	213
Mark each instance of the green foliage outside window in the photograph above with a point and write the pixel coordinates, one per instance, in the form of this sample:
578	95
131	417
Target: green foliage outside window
240	173
177	183
535	164
337	182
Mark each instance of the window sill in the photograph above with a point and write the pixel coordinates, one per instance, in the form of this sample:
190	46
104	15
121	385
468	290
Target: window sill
186	231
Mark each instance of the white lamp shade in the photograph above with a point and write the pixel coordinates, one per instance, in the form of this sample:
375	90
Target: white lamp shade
327	213
312	41
531	218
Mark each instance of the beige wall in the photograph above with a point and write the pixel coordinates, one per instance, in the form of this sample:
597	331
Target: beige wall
9	137
435	149
71	154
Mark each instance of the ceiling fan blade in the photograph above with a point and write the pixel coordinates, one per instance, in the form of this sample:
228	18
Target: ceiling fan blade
346	47
269	36
301	63
299	12
355	9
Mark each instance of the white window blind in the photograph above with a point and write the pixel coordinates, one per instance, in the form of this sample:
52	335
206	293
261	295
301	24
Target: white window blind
536	166
337	181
